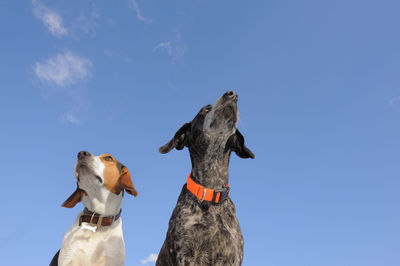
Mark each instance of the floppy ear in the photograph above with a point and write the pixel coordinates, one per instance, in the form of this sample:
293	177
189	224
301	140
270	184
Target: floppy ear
74	198
236	144
179	141
125	182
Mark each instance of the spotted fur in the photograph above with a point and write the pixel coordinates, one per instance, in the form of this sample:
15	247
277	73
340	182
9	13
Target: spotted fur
202	233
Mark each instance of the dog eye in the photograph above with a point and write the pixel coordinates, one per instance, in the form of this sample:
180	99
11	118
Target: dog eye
108	158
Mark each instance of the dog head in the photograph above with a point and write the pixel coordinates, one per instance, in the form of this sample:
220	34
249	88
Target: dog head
212	133
98	175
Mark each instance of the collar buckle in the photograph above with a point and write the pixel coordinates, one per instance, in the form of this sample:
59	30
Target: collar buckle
214	196
223	195
204	194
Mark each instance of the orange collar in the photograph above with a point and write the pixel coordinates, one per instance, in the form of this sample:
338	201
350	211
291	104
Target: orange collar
215	196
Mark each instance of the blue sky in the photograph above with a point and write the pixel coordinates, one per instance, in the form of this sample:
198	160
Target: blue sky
319	101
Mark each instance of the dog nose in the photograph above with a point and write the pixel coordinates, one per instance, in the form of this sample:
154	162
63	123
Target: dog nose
83	154
232	94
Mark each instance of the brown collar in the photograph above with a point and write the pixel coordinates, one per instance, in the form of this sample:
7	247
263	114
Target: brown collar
93	218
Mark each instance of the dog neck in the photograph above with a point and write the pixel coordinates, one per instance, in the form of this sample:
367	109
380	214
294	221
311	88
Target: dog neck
105	202
98	198
210	171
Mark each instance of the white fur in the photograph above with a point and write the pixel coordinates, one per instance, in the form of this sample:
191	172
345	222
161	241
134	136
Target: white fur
106	246
83	247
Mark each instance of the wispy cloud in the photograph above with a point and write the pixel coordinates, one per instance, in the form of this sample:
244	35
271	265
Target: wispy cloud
151	258
86	23
63	69
71	118
166	45
133	4
175	48
77	107
64	72
50	18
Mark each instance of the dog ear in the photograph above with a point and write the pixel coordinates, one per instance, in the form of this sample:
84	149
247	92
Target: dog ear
74	198
125	182
236	144
179	141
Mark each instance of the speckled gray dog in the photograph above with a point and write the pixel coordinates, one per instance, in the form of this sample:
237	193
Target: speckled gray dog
203	232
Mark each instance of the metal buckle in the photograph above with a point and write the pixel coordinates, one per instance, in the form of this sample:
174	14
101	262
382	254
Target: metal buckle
223	195
204	194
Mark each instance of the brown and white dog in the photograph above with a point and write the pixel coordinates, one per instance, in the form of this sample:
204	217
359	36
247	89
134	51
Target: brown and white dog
96	236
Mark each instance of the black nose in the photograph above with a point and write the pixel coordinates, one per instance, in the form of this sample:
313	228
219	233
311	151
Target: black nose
232	94
83	154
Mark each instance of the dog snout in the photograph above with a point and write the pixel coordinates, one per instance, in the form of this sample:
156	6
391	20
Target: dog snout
83	154
232	95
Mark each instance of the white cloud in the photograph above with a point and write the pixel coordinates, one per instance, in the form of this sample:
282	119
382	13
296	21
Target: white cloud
71	118
135	6
51	19
166	45
78	107
151	258
63	69
86	23
175	48
57	74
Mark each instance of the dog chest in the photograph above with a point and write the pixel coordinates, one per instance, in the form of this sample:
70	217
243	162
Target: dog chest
83	247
